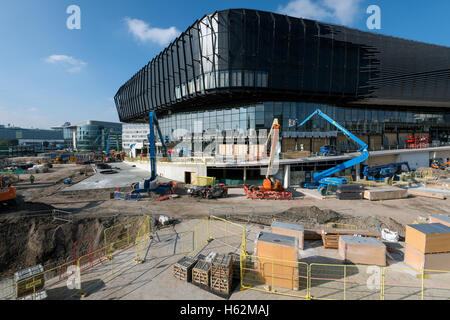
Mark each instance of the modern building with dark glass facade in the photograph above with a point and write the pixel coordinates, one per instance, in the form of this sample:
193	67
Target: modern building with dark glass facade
240	69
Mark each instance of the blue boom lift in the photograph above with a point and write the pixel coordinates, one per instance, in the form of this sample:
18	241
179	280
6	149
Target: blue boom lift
388	170
324	179
152	185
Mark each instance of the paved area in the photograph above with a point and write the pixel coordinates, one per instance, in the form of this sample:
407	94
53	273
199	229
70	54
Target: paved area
122	278
125	176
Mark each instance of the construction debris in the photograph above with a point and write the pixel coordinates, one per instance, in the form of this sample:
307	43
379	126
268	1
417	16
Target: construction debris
385	193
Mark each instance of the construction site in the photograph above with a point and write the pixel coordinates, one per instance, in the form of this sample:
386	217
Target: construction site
251	182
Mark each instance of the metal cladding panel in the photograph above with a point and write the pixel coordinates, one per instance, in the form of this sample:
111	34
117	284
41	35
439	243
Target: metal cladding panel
303	60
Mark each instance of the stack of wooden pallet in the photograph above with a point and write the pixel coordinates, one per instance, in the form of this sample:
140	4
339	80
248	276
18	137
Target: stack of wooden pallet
221	274
183	268
428	246
350	192
330	239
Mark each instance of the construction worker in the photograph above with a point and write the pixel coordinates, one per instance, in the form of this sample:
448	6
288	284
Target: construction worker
32	179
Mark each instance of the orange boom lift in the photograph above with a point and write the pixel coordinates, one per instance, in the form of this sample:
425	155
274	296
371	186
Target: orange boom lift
271	188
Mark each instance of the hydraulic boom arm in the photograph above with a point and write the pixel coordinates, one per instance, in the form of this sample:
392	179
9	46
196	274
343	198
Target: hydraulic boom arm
340	167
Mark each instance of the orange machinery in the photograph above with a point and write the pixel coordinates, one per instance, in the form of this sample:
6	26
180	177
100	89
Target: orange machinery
271	188
7	195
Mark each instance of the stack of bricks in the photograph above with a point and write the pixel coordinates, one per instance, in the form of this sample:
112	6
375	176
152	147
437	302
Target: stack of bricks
428	246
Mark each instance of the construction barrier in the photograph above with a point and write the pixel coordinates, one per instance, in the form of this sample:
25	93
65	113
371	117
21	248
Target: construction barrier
281	277
204	181
121	235
344	282
410	284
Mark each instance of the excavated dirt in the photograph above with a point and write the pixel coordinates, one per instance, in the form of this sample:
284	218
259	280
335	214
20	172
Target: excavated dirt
30	238
313	217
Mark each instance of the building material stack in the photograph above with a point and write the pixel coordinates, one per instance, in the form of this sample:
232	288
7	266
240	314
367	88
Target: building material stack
443	219
360	250
386	193
277	257
221	274
289	229
350	192
201	273
428	246
183	268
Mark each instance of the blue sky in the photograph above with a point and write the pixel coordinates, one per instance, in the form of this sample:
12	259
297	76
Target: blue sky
50	74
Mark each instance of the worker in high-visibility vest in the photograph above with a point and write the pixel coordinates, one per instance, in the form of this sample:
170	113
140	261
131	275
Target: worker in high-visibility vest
32	179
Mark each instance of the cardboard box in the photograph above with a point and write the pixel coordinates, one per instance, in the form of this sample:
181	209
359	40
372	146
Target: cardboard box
428	261
290	229
277	257
428	237
359	250
443	219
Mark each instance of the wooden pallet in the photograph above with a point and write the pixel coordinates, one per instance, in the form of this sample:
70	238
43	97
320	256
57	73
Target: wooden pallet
221	274
201	273
182	270
331	239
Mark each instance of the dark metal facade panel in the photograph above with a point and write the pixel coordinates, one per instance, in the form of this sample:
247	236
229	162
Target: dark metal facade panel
223	57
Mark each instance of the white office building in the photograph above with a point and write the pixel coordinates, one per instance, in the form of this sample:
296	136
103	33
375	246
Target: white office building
134	138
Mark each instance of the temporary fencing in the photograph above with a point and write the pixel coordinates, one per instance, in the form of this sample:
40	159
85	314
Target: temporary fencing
410	284
282	277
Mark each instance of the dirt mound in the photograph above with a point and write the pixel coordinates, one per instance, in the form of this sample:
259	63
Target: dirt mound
315	218
310	214
27	241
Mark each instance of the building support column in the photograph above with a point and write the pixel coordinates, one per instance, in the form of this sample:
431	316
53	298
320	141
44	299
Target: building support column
245	175
358	171
287	176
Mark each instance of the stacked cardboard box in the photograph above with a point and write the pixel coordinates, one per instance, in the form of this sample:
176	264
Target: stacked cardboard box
360	250
428	246
277	260
289	229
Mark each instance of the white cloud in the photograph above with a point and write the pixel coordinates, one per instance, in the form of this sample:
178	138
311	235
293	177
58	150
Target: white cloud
340	11
144	33
70	63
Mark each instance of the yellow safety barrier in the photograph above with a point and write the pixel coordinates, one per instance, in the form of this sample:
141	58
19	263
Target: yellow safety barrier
410	284
204	181
123	234
336	225
47	280
344	282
